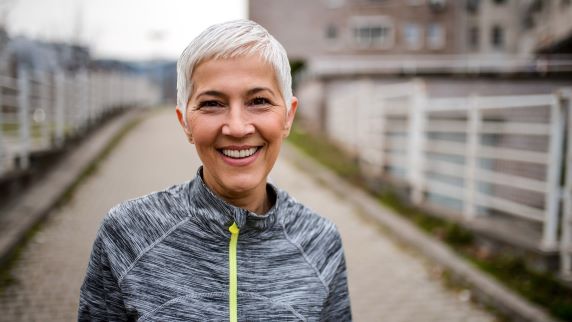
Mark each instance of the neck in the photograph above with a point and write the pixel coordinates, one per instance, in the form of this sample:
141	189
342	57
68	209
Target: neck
250	201
256	200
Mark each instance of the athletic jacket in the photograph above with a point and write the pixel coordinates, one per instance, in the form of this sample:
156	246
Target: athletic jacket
183	254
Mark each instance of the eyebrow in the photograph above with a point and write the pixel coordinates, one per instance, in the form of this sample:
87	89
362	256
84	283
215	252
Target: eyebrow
250	92
257	90
212	93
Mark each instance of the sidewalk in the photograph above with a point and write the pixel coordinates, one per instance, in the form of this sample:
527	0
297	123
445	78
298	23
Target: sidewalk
388	282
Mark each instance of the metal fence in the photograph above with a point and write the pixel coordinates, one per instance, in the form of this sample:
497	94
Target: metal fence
38	111
495	156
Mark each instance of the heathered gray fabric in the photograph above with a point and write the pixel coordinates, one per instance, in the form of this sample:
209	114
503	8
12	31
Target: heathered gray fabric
164	257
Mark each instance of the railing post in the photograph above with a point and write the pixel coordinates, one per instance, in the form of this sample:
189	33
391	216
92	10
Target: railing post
471	156
566	238
82	100
383	137
417	115
24	118
554	164
366	142
59	116
45	107
2	147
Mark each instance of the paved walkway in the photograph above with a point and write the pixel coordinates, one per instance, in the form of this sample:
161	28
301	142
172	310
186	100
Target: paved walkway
387	282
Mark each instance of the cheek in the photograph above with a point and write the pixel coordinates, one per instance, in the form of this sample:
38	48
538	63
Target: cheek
272	127
204	130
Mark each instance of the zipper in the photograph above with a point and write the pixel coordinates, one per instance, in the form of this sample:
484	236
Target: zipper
232	285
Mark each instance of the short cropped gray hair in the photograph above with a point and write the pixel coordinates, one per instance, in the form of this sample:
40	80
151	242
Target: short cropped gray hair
228	40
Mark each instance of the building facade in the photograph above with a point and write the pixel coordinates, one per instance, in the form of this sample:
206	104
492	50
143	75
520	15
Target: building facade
359	27
402	28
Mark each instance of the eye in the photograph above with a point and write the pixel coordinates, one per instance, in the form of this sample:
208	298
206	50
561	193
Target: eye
260	101
210	104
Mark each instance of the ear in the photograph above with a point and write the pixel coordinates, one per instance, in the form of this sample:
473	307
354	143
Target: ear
290	116
186	128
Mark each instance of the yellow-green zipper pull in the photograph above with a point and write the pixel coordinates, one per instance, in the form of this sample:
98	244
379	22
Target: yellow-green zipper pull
233	291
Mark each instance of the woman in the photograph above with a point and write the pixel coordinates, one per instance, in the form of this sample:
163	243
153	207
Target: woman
226	245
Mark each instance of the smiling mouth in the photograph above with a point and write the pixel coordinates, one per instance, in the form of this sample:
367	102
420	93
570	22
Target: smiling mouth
239	154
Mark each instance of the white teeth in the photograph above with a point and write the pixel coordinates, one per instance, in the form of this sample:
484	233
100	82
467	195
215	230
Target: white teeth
239	153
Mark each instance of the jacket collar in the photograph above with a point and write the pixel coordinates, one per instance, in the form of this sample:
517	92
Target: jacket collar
211	212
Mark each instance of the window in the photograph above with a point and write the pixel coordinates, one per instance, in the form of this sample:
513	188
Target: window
497	37
412	34
473	6
437	5
372	35
474	37
435	36
331	32
373	32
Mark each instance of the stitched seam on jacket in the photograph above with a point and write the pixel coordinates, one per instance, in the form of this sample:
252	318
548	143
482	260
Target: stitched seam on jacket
179	299
148	248
242	294
306	259
287	306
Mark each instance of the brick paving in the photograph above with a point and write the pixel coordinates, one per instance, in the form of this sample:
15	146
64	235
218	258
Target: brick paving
388	282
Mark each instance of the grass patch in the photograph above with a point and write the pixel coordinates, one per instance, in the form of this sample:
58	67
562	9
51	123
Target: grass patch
326	153
541	288
6	277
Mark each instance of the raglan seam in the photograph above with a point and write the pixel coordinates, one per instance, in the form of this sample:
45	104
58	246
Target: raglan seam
151	246
243	294
301	250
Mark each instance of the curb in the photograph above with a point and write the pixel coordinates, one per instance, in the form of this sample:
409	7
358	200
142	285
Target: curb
36	204
488	290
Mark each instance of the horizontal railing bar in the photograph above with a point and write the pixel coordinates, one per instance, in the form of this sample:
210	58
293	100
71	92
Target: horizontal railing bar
511	181
520	101
444	188
515	128
512	155
446	126
444	147
446	168
513	208
489	102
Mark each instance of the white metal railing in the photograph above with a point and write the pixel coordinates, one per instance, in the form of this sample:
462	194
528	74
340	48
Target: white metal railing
479	155
39	110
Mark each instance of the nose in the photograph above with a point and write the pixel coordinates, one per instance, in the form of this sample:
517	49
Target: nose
237	123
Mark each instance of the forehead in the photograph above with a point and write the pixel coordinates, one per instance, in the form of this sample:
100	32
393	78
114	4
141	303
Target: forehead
231	73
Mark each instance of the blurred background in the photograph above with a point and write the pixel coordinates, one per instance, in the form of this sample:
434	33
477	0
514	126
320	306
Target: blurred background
456	114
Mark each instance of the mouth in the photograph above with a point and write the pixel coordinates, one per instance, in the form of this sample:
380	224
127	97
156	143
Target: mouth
239	153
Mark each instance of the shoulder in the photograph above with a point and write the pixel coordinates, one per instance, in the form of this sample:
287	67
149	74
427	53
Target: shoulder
317	237
305	224
132	226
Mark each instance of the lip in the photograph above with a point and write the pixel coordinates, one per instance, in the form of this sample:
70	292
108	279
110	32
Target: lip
243	161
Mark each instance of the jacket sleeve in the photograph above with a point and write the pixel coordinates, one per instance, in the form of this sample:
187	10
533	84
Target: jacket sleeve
100	296
337	306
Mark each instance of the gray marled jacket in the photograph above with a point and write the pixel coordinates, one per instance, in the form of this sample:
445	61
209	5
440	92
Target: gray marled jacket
165	257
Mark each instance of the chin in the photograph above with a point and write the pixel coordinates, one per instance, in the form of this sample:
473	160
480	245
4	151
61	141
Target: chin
242	183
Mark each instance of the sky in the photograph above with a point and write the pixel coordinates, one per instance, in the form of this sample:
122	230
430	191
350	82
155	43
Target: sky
122	29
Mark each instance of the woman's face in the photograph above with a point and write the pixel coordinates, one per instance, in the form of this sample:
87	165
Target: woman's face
237	120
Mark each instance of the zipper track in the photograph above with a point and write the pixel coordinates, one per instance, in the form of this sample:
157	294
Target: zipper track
232	274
